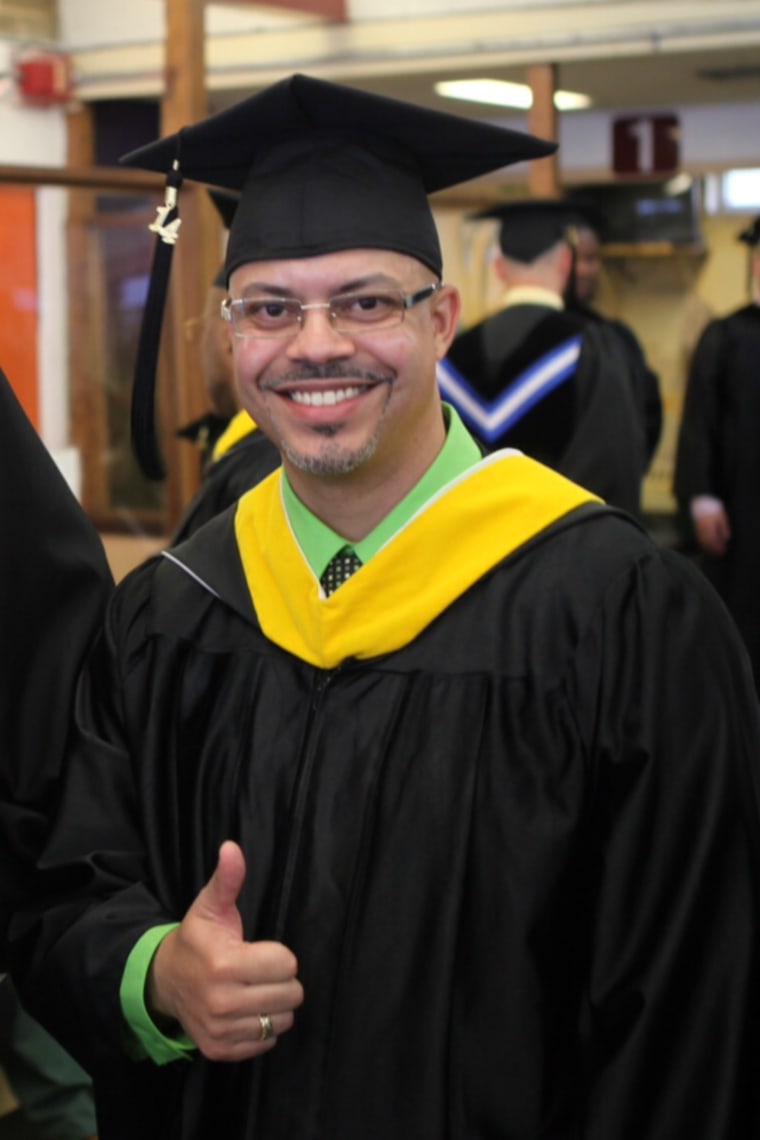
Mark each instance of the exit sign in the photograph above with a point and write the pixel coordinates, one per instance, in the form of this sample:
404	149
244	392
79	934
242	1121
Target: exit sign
646	144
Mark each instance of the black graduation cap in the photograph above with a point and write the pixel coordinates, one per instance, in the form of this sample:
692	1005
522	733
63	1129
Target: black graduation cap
320	168
531	227
751	236
226	204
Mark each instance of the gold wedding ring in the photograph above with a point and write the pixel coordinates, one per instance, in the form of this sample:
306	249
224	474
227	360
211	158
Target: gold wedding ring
267	1029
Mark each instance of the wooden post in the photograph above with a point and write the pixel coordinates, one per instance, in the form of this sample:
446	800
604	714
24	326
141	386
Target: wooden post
196	255
86	390
543	177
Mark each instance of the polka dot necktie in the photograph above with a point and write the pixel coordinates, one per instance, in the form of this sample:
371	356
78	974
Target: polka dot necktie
339	569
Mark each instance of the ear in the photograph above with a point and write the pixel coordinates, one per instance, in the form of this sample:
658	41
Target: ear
447	307
500	268
565	260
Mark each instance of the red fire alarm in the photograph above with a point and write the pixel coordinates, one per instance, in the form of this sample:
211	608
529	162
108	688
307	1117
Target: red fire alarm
44	78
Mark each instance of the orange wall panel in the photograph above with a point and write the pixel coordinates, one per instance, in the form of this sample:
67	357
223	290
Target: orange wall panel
18	295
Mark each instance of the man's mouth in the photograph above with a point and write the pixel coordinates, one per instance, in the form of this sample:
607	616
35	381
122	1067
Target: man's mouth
326	397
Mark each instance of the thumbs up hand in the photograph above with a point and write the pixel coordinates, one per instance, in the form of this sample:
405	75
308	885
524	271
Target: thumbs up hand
233	998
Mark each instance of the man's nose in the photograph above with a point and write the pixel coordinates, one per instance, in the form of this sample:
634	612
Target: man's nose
318	339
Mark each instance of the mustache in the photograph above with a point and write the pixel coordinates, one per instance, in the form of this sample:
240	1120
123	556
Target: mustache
331	371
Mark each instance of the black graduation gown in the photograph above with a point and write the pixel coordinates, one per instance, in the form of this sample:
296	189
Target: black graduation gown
587	427
516	855
645	383
718	454
54	582
227	478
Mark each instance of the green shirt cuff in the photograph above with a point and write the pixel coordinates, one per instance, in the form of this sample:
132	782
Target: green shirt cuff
147	1040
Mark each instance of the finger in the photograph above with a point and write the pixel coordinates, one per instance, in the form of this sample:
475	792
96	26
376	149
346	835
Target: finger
267	963
217	901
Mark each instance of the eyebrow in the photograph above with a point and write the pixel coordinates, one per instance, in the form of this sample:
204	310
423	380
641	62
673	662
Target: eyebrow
374	280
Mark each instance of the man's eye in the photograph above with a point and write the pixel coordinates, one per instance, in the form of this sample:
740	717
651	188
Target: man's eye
268	312
367	306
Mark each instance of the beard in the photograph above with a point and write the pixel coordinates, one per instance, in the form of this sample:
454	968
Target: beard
335	459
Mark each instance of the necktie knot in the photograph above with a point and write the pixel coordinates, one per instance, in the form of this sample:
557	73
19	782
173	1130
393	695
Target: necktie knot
339	569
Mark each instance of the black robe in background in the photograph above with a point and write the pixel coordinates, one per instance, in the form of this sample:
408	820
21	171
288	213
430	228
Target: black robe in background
225	479
516	856
645	383
54	582
719	454
588	427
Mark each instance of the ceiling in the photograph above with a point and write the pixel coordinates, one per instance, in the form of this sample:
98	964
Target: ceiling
628	54
664	81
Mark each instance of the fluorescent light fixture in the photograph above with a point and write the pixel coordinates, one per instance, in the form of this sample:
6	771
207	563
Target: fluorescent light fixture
502	93
741	189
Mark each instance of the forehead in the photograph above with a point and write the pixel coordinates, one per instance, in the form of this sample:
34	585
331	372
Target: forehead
332	272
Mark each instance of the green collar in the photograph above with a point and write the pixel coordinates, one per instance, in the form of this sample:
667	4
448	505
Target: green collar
319	543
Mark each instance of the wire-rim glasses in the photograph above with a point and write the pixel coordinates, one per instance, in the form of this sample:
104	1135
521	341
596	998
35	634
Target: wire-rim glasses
360	312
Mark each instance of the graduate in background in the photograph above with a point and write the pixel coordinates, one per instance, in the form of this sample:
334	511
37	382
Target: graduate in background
717	473
415	796
236	454
54	583
538	377
580	297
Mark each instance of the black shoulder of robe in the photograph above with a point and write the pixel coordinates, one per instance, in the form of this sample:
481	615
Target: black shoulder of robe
226	479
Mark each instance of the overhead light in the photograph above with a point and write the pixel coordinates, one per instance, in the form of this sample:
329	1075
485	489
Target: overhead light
502	93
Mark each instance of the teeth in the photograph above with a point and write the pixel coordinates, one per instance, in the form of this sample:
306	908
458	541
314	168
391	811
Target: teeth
326	398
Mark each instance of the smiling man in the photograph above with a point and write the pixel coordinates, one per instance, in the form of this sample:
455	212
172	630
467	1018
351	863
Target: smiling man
422	790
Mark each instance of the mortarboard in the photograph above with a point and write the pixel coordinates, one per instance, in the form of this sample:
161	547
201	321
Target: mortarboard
531	227
226	204
320	168
751	236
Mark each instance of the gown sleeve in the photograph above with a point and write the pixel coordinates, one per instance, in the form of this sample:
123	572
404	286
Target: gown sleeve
97	897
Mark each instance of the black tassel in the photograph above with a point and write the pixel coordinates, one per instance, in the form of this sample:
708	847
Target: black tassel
143	414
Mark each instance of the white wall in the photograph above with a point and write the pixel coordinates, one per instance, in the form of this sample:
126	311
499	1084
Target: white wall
29	136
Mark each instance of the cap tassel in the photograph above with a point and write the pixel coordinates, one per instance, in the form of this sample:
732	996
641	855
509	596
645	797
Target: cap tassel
143	414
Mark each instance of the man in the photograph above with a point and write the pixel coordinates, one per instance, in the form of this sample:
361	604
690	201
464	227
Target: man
539	378
427	784
645	383
717	476
236	455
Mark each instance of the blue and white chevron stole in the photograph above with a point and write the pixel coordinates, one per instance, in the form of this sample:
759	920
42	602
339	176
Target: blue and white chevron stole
491	419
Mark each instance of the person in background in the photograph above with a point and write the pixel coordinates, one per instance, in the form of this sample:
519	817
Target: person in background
717	470
416	795
54	583
537	377
580	297
236	454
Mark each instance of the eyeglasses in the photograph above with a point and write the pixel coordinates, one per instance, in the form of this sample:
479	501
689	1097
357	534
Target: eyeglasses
350	313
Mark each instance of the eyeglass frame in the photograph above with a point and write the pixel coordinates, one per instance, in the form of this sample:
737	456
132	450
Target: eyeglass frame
408	301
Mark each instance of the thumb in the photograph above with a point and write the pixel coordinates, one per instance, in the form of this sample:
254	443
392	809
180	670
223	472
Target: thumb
217	902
